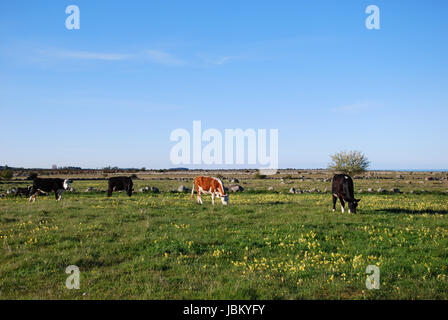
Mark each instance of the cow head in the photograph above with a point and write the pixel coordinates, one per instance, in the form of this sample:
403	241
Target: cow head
352	205
129	190
66	184
224	199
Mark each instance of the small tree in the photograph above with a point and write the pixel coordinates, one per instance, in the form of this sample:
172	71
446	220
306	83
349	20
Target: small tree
351	162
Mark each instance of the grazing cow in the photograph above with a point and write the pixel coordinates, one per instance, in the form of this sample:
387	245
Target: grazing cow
120	183
41	185
342	188
23	191
211	186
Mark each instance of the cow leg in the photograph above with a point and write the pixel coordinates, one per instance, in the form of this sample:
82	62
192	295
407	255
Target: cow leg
59	197
342	204
31	193
199	198
109	191
213	198
192	192
335	199
33	196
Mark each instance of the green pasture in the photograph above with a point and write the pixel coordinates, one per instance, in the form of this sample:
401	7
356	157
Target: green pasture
264	245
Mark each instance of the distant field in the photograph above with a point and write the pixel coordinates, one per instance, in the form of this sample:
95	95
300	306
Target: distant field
264	245
281	182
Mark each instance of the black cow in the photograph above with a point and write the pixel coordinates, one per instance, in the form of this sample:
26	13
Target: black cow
342	188
23	191
120	183
56	185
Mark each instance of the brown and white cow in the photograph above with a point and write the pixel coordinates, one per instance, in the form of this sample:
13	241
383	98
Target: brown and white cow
211	186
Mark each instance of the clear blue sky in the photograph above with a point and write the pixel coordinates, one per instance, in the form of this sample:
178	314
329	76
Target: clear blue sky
112	92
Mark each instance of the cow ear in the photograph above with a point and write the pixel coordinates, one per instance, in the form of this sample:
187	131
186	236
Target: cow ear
357	200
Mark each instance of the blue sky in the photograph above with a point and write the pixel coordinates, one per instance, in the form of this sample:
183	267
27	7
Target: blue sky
111	92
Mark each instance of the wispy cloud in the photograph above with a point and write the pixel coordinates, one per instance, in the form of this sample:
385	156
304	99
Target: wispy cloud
161	57
154	56
219	60
86	55
149	55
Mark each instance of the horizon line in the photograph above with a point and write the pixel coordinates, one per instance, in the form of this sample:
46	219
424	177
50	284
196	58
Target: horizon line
201	169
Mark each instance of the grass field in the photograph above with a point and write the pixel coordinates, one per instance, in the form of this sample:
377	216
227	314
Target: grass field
264	245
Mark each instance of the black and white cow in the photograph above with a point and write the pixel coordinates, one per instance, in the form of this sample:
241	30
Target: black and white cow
342	189
120	183
56	185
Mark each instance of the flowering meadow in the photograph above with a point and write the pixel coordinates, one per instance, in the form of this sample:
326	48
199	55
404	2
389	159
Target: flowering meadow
265	245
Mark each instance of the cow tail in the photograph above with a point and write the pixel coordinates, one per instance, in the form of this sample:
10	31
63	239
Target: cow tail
192	191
